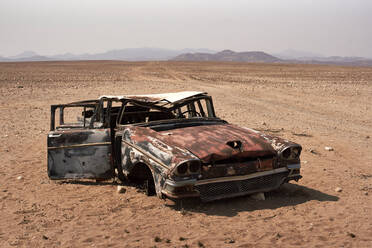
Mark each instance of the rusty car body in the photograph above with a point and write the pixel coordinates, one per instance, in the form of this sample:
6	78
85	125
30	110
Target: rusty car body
172	143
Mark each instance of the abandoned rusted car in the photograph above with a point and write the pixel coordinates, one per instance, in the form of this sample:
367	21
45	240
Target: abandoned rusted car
173	144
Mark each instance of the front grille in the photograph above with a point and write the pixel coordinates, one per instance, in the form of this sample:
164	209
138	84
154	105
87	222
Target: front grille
214	191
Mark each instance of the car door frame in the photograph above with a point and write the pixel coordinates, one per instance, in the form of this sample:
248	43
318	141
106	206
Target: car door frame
82	152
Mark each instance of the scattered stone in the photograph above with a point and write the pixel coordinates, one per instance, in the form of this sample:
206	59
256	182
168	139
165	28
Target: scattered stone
278	235
304	162
200	244
365	193
182	239
314	152
258	196
338	189
302	134
184	212
230	241
45	237
20	86
367	137
19	177
351	234
328	148
157	239
263	123
167	241
120	189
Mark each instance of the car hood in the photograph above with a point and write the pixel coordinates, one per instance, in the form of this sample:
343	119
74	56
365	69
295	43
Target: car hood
212	143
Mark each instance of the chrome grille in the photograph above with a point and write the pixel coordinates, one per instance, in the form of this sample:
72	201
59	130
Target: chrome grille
214	191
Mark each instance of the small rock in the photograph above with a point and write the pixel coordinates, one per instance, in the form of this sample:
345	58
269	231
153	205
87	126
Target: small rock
120	189
365	193
367	137
304	162
258	196
351	234
313	151
20	86
263	123
278	235
338	189
19	177
45	237
328	148
230	241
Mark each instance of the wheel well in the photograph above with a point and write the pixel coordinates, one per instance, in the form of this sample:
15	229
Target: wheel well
140	173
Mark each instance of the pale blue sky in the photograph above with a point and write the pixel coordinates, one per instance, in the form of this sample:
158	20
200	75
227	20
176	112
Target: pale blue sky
329	27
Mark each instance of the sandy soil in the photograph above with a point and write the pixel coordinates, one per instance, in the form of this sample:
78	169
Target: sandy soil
313	105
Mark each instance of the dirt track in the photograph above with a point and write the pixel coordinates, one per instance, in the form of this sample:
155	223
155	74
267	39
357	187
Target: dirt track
315	106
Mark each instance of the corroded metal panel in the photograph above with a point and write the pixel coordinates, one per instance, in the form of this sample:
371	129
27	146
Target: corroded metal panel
83	153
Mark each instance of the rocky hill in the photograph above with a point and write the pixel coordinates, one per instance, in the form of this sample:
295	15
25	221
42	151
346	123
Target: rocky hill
228	55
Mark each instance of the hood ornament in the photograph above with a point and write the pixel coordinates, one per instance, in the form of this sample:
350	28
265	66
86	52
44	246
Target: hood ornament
236	145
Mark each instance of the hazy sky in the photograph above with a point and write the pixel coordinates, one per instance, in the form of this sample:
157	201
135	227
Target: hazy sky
329	27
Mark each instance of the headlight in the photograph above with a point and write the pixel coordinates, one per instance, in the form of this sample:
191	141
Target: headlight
182	169
189	167
194	166
296	152
291	152
286	153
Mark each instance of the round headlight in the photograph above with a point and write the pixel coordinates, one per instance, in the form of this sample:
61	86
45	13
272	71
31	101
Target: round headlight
182	169
194	166
286	153
296	151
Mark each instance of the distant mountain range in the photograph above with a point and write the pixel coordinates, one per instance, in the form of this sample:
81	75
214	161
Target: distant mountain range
128	54
228	55
202	54
262	57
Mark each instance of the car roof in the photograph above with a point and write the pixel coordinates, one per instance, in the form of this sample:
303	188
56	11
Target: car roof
156	98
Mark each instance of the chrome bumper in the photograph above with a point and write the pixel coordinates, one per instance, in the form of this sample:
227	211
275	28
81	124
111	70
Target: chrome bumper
187	188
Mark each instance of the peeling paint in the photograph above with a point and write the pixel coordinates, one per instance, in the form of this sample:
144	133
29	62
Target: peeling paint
185	157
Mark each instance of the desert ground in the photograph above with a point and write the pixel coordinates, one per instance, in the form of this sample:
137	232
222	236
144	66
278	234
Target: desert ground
313	105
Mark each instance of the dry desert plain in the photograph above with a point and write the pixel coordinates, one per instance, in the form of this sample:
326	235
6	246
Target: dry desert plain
314	105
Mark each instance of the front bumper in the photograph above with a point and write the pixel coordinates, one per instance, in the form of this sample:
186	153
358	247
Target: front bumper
227	187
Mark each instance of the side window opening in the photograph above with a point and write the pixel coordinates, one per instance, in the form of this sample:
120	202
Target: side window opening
197	108
201	108
73	116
